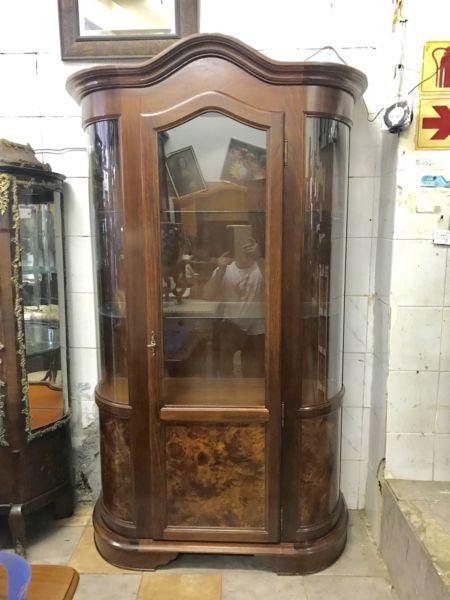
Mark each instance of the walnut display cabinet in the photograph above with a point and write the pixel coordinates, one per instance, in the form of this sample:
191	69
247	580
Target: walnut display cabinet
35	450
219	185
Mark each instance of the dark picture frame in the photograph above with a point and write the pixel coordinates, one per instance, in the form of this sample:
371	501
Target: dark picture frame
243	162
184	172
75	47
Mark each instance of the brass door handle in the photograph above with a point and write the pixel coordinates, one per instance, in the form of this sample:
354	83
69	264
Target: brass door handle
152	344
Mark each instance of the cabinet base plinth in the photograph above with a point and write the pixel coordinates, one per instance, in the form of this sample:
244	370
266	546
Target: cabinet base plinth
284	558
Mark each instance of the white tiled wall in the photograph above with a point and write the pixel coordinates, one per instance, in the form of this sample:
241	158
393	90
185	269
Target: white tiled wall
362	254
419	347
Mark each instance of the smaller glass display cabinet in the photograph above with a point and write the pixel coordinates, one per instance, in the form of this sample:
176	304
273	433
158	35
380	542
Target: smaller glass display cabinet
34	436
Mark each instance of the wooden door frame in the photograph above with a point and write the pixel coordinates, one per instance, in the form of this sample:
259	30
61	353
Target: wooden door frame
273	123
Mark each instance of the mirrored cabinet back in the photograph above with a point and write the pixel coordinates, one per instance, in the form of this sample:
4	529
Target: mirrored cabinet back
35	461
219	187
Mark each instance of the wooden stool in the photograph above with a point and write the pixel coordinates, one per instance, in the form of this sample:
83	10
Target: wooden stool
49	582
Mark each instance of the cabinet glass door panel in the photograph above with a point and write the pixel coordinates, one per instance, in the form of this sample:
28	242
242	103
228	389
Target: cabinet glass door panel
213	238
323	263
106	193
43	304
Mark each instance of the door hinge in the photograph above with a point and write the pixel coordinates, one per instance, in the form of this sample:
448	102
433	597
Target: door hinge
285	157
281	518
282	414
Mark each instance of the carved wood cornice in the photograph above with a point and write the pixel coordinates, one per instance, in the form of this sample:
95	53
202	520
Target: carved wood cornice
204	45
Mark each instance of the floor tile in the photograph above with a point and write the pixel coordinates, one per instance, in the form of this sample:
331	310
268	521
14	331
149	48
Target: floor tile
165	586
82	515
86	558
360	557
52	545
107	587
262	586
343	588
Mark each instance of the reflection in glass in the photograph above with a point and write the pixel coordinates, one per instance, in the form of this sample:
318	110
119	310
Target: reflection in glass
43	304
213	264
323	265
127	17
107	198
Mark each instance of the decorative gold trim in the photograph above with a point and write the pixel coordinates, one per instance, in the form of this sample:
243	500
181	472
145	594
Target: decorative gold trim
3	440
16	265
4	201
19	549
4	192
32	435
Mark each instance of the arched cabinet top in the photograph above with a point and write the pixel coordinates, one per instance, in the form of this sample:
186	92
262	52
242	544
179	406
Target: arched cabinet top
204	45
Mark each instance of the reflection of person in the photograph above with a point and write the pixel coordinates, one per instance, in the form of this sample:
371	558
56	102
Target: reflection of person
239	284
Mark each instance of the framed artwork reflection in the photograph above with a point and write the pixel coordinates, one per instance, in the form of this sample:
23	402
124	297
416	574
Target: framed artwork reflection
184	172
244	162
105	29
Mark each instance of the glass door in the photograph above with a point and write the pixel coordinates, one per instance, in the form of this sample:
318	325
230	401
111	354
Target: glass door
213	344
213	273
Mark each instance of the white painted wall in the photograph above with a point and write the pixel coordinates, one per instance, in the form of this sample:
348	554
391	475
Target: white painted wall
35	108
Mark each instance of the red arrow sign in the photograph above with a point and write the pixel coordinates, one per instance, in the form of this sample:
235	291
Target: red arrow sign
441	123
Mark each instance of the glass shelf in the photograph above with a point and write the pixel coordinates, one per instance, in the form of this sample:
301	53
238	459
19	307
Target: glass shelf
41	270
220	212
204	309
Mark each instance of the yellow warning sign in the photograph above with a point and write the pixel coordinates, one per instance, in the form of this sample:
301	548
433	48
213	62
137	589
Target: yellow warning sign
433	123
436	67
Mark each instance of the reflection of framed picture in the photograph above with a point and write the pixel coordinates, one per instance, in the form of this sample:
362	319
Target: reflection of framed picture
95	29
244	162
184	172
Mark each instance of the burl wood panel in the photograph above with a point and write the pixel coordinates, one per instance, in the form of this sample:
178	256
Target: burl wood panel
117	479
215	475
319	467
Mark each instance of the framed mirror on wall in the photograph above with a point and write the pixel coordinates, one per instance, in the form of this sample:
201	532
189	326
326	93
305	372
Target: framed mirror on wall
113	29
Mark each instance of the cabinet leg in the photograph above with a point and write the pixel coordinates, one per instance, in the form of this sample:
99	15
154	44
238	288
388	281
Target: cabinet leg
63	505
16	523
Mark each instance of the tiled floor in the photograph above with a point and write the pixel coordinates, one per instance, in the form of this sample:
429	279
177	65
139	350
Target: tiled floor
358	574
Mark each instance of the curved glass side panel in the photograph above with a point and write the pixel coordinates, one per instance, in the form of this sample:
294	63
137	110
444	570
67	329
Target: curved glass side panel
108	231
213	239
323	266
42	282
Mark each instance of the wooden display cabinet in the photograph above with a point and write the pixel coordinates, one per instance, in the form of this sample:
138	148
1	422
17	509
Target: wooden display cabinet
221	302
35	449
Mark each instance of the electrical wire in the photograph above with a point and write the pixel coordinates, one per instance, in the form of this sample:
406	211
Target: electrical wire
423	81
60	150
346	63
327	48
398	67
